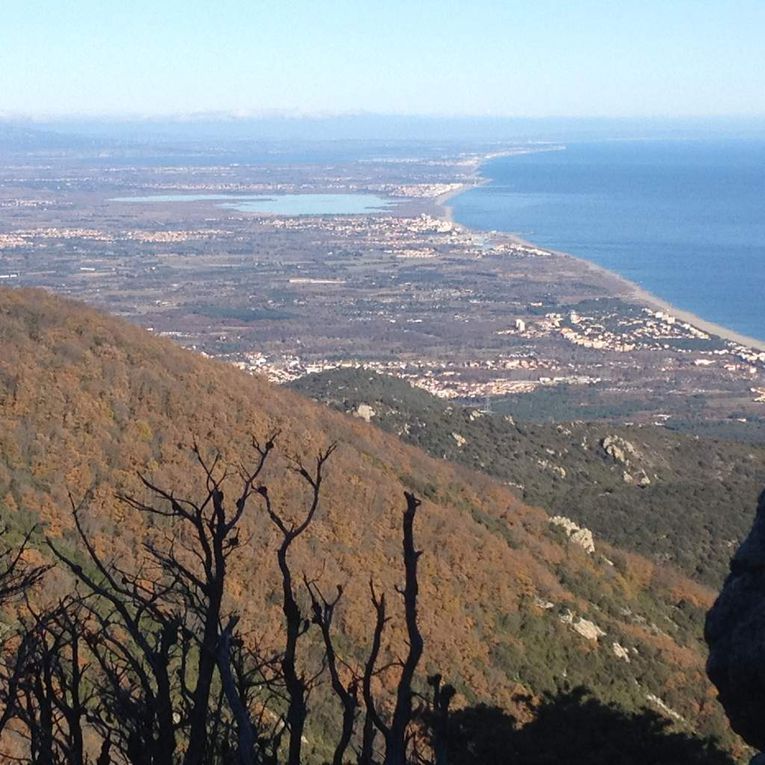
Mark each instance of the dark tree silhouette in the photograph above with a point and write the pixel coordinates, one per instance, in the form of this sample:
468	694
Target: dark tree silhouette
395	732
54	696
323	614
134	641
162	620
17	578
372	720
296	624
215	538
439	718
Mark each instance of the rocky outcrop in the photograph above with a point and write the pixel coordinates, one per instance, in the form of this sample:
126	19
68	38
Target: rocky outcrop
365	412
667	710
584	627
619	449
624	453
620	652
461	440
577	534
735	634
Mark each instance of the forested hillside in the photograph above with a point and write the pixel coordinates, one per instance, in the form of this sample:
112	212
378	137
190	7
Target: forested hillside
675	498
509	605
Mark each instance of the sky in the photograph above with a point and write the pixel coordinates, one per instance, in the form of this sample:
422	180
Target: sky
615	58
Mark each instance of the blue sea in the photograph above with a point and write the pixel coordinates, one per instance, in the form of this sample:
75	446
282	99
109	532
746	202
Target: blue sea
683	219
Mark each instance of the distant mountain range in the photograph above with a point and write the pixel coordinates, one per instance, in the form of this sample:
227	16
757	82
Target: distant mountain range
215	128
19	137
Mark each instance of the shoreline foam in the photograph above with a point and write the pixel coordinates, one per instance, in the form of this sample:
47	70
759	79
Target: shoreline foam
632	291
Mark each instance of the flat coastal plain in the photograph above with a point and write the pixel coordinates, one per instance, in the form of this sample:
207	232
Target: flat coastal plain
403	290
636	293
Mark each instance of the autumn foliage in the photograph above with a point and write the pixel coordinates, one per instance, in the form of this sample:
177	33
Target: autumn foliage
95	409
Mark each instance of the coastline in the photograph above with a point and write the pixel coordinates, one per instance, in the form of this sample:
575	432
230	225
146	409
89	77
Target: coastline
476	179
442	201
629	290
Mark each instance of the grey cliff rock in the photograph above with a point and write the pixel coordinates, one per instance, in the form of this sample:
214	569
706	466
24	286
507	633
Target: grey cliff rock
735	634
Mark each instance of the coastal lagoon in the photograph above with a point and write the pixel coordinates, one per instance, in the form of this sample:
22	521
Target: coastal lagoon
281	204
682	219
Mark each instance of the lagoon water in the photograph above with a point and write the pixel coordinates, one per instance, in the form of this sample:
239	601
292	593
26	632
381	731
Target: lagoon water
281	204
683	219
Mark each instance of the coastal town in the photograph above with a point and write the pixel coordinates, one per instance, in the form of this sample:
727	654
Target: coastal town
403	290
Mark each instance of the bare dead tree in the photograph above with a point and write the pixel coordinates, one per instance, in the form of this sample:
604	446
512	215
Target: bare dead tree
137	693
54	695
36	694
323	615
244	673
395	750
395	732
372	720
73	693
17	578
150	659
247	738
296	625
162	624
201	581
136	633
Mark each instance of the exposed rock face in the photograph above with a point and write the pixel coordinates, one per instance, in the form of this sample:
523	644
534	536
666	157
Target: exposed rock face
584	627
624	453
621	652
461	440
735	634
618	449
654	699
577	534
365	412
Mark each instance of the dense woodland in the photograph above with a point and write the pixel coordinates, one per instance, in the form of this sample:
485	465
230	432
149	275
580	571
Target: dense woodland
146	665
100	418
676	498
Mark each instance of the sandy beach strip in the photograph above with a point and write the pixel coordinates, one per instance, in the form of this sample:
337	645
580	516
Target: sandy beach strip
442	201
630	291
477	179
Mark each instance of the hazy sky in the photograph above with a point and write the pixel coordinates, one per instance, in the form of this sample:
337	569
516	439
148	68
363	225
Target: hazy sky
497	57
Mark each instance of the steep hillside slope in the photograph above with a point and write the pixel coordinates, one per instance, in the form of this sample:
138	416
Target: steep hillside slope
675	498
509	604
